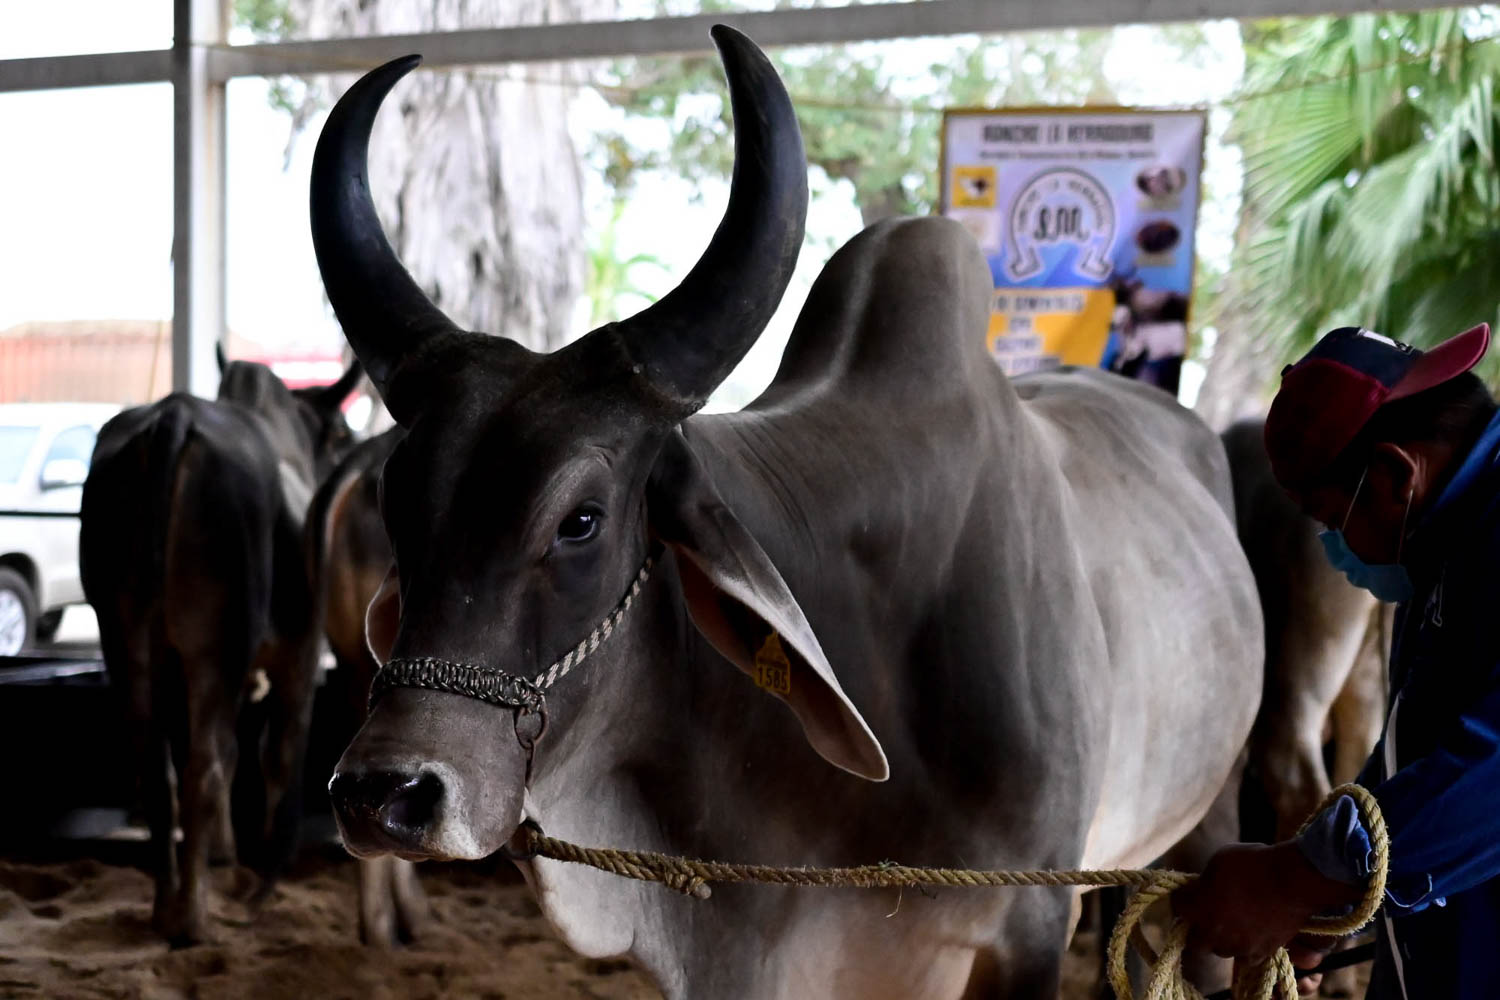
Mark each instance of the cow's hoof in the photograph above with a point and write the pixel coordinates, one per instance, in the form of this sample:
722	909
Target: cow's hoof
186	935
378	930
182	925
410	928
246	888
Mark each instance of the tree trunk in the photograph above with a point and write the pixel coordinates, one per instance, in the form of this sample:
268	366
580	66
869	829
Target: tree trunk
476	177
1238	371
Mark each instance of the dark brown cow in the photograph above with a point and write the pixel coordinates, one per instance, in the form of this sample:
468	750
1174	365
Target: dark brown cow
191	555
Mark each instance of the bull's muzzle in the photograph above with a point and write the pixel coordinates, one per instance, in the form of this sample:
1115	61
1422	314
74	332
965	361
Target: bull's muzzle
387	811
430	775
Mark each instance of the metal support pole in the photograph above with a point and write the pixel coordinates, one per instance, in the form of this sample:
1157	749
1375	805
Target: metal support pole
198	196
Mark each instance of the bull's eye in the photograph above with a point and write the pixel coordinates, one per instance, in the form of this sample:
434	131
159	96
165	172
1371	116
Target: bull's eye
579	526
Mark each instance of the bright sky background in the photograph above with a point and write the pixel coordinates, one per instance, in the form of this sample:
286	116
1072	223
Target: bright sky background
86	185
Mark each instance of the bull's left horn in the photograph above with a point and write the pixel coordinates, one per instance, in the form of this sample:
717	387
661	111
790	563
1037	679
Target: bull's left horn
690	340
383	312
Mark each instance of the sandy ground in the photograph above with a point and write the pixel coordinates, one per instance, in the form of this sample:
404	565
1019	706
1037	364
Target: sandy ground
81	929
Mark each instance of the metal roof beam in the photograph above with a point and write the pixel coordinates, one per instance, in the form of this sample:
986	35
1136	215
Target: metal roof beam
770	29
102	70
663	36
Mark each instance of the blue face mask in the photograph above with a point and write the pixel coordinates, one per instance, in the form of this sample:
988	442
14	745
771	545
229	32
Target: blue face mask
1388	582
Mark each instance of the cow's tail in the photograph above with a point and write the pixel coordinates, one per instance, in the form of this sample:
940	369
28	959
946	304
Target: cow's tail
164	449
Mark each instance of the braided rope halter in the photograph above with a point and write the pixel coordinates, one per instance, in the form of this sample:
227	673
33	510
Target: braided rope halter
526	697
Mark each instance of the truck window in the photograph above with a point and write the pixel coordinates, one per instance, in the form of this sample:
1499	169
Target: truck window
15	444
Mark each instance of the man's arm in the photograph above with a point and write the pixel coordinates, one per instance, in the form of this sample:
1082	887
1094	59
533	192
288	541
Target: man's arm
1443	814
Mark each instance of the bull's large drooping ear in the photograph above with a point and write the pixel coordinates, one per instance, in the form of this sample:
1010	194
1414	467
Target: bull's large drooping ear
384	314
742	606
383	617
688	342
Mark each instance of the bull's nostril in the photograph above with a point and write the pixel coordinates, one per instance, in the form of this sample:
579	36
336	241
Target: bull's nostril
412	805
386	809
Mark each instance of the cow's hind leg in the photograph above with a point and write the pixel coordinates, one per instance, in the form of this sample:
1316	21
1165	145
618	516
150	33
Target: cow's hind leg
1359	710
202	784
222	847
289	718
1026	961
153	753
149	716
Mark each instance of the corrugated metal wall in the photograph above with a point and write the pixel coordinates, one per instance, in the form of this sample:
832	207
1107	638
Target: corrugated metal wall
129	365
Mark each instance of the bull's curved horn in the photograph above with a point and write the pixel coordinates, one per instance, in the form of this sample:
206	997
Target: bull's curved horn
690	340
383	312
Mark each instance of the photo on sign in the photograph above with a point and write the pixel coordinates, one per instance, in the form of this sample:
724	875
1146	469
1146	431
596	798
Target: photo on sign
1149	331
1156	240
1161	186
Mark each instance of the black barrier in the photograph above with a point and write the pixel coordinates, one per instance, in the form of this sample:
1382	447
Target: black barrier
69	758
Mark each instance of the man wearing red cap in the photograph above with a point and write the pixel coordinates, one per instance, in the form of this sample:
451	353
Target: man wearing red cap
1397	452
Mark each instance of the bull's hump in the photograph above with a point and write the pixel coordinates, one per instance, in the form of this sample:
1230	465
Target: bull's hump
904	302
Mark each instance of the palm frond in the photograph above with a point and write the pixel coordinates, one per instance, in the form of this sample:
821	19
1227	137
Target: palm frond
1371	188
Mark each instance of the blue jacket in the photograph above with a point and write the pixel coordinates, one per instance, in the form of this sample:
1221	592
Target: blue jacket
1441	799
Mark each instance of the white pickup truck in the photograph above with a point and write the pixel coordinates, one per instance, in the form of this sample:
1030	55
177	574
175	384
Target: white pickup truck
45	449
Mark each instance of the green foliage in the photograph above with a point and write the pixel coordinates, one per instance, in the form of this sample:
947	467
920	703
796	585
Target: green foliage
272	21
268	20
859	122
609	280
1370	179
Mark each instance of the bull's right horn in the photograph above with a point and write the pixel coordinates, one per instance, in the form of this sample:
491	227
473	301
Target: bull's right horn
690	340
385	315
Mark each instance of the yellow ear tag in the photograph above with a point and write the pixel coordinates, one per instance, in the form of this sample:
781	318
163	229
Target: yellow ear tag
773	671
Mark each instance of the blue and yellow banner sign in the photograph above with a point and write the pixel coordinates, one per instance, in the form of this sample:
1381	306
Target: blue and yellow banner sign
1087	219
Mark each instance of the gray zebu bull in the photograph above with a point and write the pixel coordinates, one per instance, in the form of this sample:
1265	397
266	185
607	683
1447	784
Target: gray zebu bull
892	526
190	552
348	555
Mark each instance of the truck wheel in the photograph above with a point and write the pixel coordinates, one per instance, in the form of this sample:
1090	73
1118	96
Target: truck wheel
17	613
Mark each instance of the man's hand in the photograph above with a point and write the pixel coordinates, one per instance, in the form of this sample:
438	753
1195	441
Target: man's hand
1253	899
1307	951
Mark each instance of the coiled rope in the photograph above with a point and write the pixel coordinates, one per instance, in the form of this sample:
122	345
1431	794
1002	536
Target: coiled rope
1274	979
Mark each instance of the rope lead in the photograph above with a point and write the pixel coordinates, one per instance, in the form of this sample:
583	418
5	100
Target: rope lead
1274	979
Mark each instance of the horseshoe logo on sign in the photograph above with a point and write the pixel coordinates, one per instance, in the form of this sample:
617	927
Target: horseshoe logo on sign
1061	205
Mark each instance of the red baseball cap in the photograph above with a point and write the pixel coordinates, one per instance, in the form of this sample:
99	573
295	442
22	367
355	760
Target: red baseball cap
1326	398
